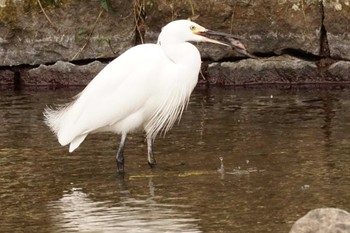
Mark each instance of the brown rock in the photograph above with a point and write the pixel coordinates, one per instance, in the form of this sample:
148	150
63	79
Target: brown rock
336	22
76	31
6	78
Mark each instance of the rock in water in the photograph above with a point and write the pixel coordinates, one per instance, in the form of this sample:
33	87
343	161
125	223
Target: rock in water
323	220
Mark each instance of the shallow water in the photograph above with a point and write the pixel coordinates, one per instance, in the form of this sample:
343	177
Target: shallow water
285	152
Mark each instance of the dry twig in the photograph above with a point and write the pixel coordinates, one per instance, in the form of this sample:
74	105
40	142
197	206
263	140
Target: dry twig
89	36
47	17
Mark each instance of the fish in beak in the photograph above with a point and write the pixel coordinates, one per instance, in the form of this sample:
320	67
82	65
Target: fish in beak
226	40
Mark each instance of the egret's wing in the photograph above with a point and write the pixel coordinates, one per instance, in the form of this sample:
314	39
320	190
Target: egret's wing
119	90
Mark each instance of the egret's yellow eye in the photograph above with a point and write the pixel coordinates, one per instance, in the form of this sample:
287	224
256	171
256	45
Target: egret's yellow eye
193	28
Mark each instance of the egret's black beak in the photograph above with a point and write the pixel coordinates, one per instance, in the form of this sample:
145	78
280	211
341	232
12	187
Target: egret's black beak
221	34
228	40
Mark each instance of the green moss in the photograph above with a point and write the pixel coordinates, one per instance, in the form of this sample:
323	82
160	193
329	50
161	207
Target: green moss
105	4
9	14
50	2
81	35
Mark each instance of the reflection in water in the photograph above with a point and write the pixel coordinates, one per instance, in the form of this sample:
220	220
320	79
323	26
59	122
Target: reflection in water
75	211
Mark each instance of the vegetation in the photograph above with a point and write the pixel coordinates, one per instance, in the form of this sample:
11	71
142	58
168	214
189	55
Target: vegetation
105	4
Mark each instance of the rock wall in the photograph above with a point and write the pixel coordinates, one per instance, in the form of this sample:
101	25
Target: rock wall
266	26
34	32
337	25
298	41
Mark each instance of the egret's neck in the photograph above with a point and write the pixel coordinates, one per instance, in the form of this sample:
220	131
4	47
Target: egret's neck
181	52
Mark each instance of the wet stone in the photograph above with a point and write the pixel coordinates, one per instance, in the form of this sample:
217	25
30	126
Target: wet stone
322	220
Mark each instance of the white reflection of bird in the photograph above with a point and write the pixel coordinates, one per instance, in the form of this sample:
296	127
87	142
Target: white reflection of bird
146	87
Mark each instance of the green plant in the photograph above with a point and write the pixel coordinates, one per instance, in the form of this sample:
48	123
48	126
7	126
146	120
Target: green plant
105	4
81	34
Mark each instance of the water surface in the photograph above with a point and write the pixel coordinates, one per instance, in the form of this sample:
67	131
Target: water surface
285	152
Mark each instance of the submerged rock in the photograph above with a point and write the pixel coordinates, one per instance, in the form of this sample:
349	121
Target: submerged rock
323	220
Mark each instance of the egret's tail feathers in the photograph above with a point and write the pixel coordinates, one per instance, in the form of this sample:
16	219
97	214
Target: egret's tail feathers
76	142
61	121
52	118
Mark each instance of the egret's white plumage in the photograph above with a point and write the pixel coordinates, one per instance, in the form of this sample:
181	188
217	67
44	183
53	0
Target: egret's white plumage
147	87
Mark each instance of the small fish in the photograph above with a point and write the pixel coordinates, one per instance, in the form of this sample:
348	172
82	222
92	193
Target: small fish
239	46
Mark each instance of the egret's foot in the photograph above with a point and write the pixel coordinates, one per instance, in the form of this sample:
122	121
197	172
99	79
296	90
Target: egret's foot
120	174
152	163
150	156
120	155
120	167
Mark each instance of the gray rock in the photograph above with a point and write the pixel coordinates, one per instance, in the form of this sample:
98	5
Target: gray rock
336	22
28	37
340	71
274	70
323	220
61	74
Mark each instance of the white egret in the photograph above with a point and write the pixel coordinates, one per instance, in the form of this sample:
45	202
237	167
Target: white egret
147	87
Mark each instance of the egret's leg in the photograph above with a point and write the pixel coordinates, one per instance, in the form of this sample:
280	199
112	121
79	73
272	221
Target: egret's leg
120	154
150	156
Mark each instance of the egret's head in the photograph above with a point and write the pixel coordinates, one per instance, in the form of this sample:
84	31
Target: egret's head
185	30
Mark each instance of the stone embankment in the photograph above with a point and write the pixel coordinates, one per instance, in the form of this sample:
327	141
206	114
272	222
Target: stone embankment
66	42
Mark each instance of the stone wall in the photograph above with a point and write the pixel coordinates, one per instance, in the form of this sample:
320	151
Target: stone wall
33	33
298	41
